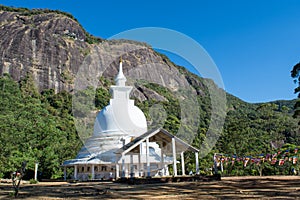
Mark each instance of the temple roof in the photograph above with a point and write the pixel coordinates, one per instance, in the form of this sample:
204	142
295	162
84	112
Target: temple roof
162	137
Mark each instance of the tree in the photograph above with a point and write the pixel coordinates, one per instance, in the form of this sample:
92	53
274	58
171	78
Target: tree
35	128
295	73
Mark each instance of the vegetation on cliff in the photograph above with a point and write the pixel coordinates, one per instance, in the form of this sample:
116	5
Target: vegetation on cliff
30	12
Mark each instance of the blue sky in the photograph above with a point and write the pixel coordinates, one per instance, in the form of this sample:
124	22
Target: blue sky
254	43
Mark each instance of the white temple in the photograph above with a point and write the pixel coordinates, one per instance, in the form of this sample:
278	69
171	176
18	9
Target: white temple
121	146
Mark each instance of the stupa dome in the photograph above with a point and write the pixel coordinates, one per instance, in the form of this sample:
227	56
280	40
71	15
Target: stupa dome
130	121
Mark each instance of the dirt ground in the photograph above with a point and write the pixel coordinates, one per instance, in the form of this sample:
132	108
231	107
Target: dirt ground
279	187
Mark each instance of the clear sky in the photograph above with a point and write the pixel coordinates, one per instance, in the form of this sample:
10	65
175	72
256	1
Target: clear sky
255	43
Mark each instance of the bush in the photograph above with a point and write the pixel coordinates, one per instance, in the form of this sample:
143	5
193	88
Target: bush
33	181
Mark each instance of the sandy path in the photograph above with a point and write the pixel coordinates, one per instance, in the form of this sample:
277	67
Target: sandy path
280	187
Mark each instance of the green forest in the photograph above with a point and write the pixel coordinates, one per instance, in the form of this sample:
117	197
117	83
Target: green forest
35	128
39	127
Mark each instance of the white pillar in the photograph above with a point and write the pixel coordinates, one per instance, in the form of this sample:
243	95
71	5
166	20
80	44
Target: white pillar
162	162
197	162
147	157
123	165
131	166
221	166
182	164
174	157
117	170
117	167
127	174
93	172
36	170
139	164
215	164
65	173
75	172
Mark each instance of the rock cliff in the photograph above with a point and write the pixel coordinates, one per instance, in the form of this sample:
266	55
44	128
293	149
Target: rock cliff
52	46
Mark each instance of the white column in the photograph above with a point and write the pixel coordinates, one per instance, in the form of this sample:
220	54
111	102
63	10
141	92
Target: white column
182	164
221	166
93	172
117	170
123	165
65	173
215	164
162	162
36	170
75	172
197	162
147	157
117	167
139	164
131	166
174	157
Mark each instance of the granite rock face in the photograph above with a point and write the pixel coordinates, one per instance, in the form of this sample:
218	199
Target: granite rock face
50	46
53	47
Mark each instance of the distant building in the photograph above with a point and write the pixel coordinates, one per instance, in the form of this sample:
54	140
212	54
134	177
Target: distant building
121	146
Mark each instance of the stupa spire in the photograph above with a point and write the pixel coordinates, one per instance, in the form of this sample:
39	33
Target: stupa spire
120	78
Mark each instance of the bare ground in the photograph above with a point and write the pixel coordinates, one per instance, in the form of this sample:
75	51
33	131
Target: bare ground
272	187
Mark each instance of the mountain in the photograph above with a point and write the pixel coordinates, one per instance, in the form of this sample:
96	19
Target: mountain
42	43
55	77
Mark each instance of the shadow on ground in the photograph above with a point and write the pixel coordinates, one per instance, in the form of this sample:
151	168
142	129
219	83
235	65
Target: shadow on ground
227	188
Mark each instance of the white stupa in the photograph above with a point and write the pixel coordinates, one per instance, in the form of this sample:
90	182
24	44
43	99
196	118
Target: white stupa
121	117
116	125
